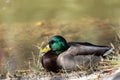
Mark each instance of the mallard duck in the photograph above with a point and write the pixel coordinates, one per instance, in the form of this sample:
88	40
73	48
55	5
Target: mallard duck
60	54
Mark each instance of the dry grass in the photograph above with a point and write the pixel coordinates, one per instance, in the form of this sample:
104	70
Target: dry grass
18	42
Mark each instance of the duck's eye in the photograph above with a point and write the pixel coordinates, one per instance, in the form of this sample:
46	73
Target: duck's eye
52	42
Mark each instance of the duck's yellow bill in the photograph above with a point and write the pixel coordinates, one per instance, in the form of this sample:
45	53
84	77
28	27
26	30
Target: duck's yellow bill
46	49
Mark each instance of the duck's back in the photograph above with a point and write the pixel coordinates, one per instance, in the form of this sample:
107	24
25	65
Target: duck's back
85	48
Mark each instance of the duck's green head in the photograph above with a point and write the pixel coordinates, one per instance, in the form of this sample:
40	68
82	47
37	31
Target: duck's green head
57	44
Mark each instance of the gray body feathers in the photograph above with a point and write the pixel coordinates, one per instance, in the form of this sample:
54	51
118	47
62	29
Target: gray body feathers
80	55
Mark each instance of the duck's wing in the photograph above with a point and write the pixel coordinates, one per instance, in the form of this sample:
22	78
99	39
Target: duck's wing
77	48
70	62
82	54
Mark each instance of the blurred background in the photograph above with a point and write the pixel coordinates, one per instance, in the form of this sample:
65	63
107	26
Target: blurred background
25	24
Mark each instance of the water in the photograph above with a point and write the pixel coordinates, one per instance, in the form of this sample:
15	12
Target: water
29	10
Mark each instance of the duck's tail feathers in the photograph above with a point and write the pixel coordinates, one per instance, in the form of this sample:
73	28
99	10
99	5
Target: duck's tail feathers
108	52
